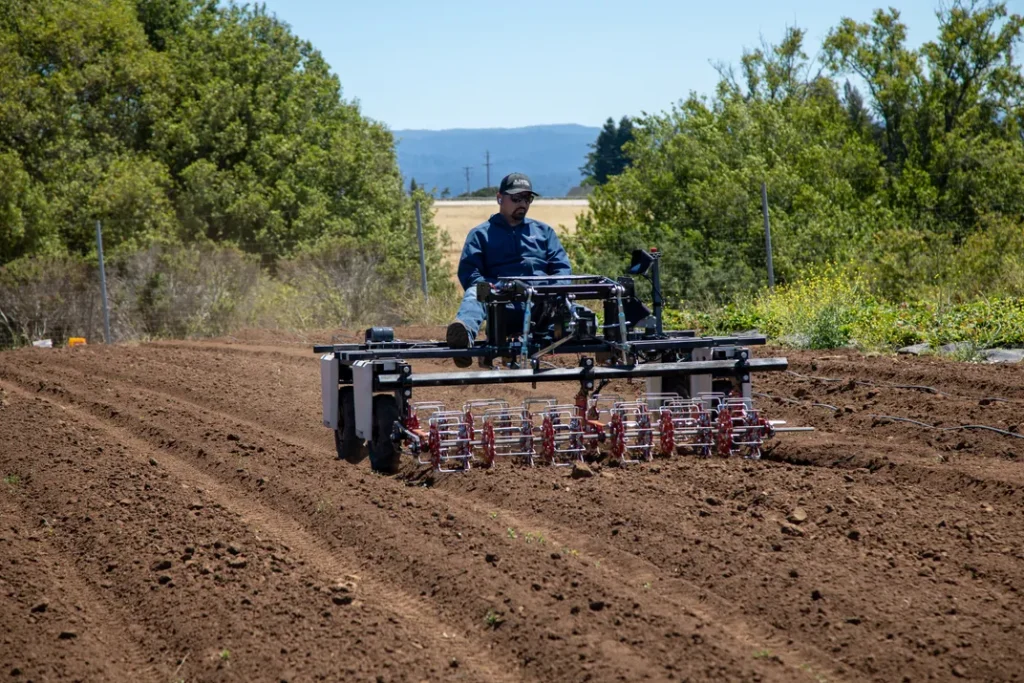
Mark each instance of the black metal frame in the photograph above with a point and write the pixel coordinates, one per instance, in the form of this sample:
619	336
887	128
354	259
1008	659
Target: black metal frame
619	351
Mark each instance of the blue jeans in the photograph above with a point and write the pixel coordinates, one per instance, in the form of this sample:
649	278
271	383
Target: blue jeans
471	312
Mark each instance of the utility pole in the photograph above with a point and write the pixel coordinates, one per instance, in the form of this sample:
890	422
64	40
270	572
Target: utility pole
767	235
423	261
103	283
466	169
488	165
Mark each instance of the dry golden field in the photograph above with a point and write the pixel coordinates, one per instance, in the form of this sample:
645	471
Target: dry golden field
458	217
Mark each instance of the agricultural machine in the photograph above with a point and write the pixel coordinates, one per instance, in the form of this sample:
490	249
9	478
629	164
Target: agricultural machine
697	394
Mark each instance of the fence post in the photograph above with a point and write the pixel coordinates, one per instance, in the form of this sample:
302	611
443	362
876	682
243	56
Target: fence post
423	261
767	235
103	283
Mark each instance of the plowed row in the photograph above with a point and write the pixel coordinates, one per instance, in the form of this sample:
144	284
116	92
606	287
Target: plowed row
173	511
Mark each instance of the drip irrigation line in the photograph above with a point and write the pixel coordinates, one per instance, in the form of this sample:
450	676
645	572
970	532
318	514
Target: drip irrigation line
917	387
797	401
946	429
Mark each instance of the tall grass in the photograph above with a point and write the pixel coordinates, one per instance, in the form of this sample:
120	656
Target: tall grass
182	292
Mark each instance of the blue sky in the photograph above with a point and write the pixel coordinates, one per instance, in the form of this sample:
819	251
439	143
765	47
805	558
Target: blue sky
463	64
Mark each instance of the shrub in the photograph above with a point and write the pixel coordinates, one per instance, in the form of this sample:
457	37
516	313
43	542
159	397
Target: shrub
53	297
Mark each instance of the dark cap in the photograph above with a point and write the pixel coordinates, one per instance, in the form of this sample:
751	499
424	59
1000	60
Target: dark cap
514	183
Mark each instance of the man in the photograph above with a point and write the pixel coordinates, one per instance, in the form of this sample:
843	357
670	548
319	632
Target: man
508	245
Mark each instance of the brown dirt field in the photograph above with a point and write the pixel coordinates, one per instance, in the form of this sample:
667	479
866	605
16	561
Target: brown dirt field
458	217
174	511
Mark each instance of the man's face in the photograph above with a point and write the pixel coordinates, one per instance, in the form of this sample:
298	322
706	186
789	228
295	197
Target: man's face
516	205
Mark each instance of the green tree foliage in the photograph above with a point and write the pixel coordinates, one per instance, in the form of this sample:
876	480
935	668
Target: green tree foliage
911	181
187	122
609	156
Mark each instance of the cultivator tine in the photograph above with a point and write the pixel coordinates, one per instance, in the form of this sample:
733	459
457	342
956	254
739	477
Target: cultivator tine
684	423
562	435
541	430
631	431
449	441
507	432
741	429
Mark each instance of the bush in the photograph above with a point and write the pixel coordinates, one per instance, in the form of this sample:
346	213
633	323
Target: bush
50	297
835	309
181	292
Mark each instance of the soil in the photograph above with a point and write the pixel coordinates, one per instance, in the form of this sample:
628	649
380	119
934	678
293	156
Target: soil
175	511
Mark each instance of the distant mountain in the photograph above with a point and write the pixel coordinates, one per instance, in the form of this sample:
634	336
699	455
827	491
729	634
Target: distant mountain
550	155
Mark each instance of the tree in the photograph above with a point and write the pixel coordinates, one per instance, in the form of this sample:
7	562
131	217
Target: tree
184	121
877	53
911	182
608	156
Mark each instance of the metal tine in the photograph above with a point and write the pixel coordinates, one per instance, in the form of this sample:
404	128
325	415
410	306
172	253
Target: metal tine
544	400
421	410
685	414
631	428
451	427
660	398
511	430
563	432
599	399
484	403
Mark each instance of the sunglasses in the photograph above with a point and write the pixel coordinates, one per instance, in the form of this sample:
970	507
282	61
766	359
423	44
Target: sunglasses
521	198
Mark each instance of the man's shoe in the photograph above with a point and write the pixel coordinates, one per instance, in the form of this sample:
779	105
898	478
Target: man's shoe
458	337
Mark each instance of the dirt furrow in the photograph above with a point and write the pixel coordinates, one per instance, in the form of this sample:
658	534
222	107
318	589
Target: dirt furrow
869	550
54	625
215	576
495	593
621	566
787	608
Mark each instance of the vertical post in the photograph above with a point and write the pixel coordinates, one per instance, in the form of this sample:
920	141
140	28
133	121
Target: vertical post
103	283
423	261
659	301
767	235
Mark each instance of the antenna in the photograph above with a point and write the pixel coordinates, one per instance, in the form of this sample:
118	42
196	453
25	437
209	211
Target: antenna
488	165
467	169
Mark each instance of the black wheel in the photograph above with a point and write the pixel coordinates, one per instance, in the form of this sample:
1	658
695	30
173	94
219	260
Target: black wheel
349	446
673	384
384	453
725	385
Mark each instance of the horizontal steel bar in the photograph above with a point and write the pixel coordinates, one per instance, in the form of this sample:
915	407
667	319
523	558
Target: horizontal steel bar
716	368
354	352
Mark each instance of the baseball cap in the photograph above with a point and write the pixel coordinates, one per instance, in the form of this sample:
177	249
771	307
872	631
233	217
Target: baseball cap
514	183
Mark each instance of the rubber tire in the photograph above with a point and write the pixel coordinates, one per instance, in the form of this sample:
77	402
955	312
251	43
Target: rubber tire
349	446
384	453
725	385
678	385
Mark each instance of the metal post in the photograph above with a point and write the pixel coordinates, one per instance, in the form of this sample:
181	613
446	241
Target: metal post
423	261
767	235
103	283
659	301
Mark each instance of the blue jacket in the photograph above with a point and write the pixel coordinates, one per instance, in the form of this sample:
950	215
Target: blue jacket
495	249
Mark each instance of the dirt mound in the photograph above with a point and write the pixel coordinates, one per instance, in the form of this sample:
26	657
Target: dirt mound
175	511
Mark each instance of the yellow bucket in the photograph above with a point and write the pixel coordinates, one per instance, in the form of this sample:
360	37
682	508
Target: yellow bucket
76	341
